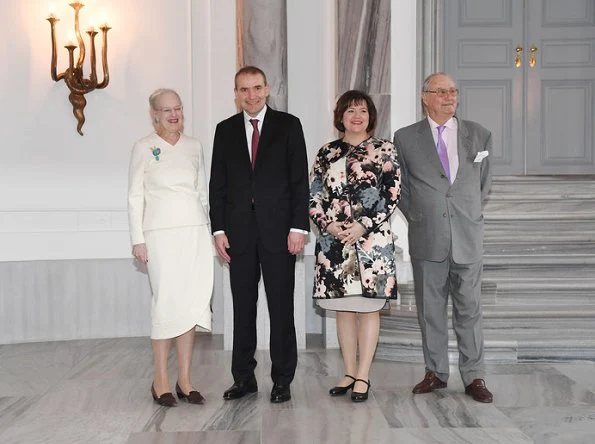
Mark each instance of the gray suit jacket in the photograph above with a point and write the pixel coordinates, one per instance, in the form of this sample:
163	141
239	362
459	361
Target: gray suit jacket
441	214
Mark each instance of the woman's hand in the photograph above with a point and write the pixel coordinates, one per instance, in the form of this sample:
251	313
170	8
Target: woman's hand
335	229
139	251
352	231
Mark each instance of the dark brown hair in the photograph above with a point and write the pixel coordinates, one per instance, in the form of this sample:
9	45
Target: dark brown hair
354	97
249	70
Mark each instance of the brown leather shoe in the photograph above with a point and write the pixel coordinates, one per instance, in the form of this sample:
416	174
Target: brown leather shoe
166	399
478	391
194	397
430	383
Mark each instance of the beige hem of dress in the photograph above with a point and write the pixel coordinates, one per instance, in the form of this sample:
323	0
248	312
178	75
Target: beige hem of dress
358	304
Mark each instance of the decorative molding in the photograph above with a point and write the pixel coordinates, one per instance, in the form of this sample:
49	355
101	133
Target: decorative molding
58	234
468	19
557	96
63	220
556	53
475	53
558	14
501	99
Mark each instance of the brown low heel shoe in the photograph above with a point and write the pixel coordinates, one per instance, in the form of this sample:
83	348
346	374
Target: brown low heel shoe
479	392
193	397
430	383
166	400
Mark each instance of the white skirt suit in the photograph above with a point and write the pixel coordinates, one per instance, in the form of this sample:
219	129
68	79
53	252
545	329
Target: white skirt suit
167	211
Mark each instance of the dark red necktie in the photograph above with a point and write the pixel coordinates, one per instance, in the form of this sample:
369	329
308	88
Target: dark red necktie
255	139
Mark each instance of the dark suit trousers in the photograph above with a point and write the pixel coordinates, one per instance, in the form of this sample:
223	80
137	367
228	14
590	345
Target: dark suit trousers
278	271
434	281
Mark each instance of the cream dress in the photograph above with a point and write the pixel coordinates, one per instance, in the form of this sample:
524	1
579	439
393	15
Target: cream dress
167	207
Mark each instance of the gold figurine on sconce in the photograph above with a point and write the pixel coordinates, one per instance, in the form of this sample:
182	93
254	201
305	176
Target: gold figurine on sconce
73	75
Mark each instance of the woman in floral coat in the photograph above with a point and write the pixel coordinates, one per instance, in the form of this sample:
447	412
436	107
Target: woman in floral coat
355	187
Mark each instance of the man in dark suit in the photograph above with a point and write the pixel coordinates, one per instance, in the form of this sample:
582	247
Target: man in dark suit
259	217
445	177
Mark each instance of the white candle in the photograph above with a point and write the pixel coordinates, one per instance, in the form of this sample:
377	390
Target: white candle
70	41
52	13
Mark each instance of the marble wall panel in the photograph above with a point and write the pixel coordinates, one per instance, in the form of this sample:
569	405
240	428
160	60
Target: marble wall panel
73	299
262	42
363	53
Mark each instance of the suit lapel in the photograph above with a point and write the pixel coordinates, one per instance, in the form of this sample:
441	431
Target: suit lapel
266	135
464	147
241	142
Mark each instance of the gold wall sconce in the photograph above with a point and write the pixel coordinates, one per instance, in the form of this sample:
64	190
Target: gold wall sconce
73	75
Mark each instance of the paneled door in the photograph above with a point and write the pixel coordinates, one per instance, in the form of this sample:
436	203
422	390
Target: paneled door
526	71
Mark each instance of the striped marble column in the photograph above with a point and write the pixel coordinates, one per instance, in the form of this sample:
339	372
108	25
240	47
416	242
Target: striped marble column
262	42
363	54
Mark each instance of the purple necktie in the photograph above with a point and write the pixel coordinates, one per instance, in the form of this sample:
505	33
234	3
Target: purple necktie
255	139
442	153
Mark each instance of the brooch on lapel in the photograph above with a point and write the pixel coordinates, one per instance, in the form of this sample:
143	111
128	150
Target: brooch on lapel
155	151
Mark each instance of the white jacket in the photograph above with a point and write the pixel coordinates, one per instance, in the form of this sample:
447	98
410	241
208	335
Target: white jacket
169	192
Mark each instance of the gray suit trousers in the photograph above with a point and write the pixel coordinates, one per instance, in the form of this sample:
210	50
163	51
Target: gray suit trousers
434	281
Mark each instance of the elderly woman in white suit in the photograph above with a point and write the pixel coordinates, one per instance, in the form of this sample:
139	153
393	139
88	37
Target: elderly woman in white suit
169	231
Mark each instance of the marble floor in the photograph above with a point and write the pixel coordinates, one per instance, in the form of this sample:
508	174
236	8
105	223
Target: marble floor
97	391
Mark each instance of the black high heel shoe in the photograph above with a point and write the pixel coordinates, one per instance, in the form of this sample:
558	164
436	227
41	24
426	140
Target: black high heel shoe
166	400
339	391
193	397
360	396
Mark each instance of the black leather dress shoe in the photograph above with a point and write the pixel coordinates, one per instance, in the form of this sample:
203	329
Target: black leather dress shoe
240	388
280	393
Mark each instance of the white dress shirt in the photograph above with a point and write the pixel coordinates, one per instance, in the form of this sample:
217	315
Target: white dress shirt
250	129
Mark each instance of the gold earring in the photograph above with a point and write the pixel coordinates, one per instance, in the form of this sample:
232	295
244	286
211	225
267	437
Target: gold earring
156	119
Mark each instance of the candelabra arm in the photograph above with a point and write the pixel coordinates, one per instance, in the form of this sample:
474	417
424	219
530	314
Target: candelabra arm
93	59
53	66
105	81
77	7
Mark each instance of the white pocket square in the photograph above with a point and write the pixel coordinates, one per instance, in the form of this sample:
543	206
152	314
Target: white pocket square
480	156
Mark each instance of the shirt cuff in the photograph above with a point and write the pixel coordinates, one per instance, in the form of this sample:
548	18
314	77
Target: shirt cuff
297	230
218	232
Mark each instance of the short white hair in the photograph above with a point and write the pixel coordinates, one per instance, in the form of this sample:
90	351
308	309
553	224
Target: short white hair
158	93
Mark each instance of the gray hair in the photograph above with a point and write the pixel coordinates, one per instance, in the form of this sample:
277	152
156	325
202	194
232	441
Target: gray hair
158	93
426	86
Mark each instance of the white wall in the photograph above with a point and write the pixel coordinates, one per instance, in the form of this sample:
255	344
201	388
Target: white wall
64	196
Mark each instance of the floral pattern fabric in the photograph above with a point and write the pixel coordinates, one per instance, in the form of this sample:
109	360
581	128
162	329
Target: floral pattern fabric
366	191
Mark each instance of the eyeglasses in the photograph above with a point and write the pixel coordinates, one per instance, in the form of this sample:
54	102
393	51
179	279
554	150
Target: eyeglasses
441	92
177	109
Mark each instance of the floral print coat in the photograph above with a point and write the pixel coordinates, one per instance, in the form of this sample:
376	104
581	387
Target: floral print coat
367	192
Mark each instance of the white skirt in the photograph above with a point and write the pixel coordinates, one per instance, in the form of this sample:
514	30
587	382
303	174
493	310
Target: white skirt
181	275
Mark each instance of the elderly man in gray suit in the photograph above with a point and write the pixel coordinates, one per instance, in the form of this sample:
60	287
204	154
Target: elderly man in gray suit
445	177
